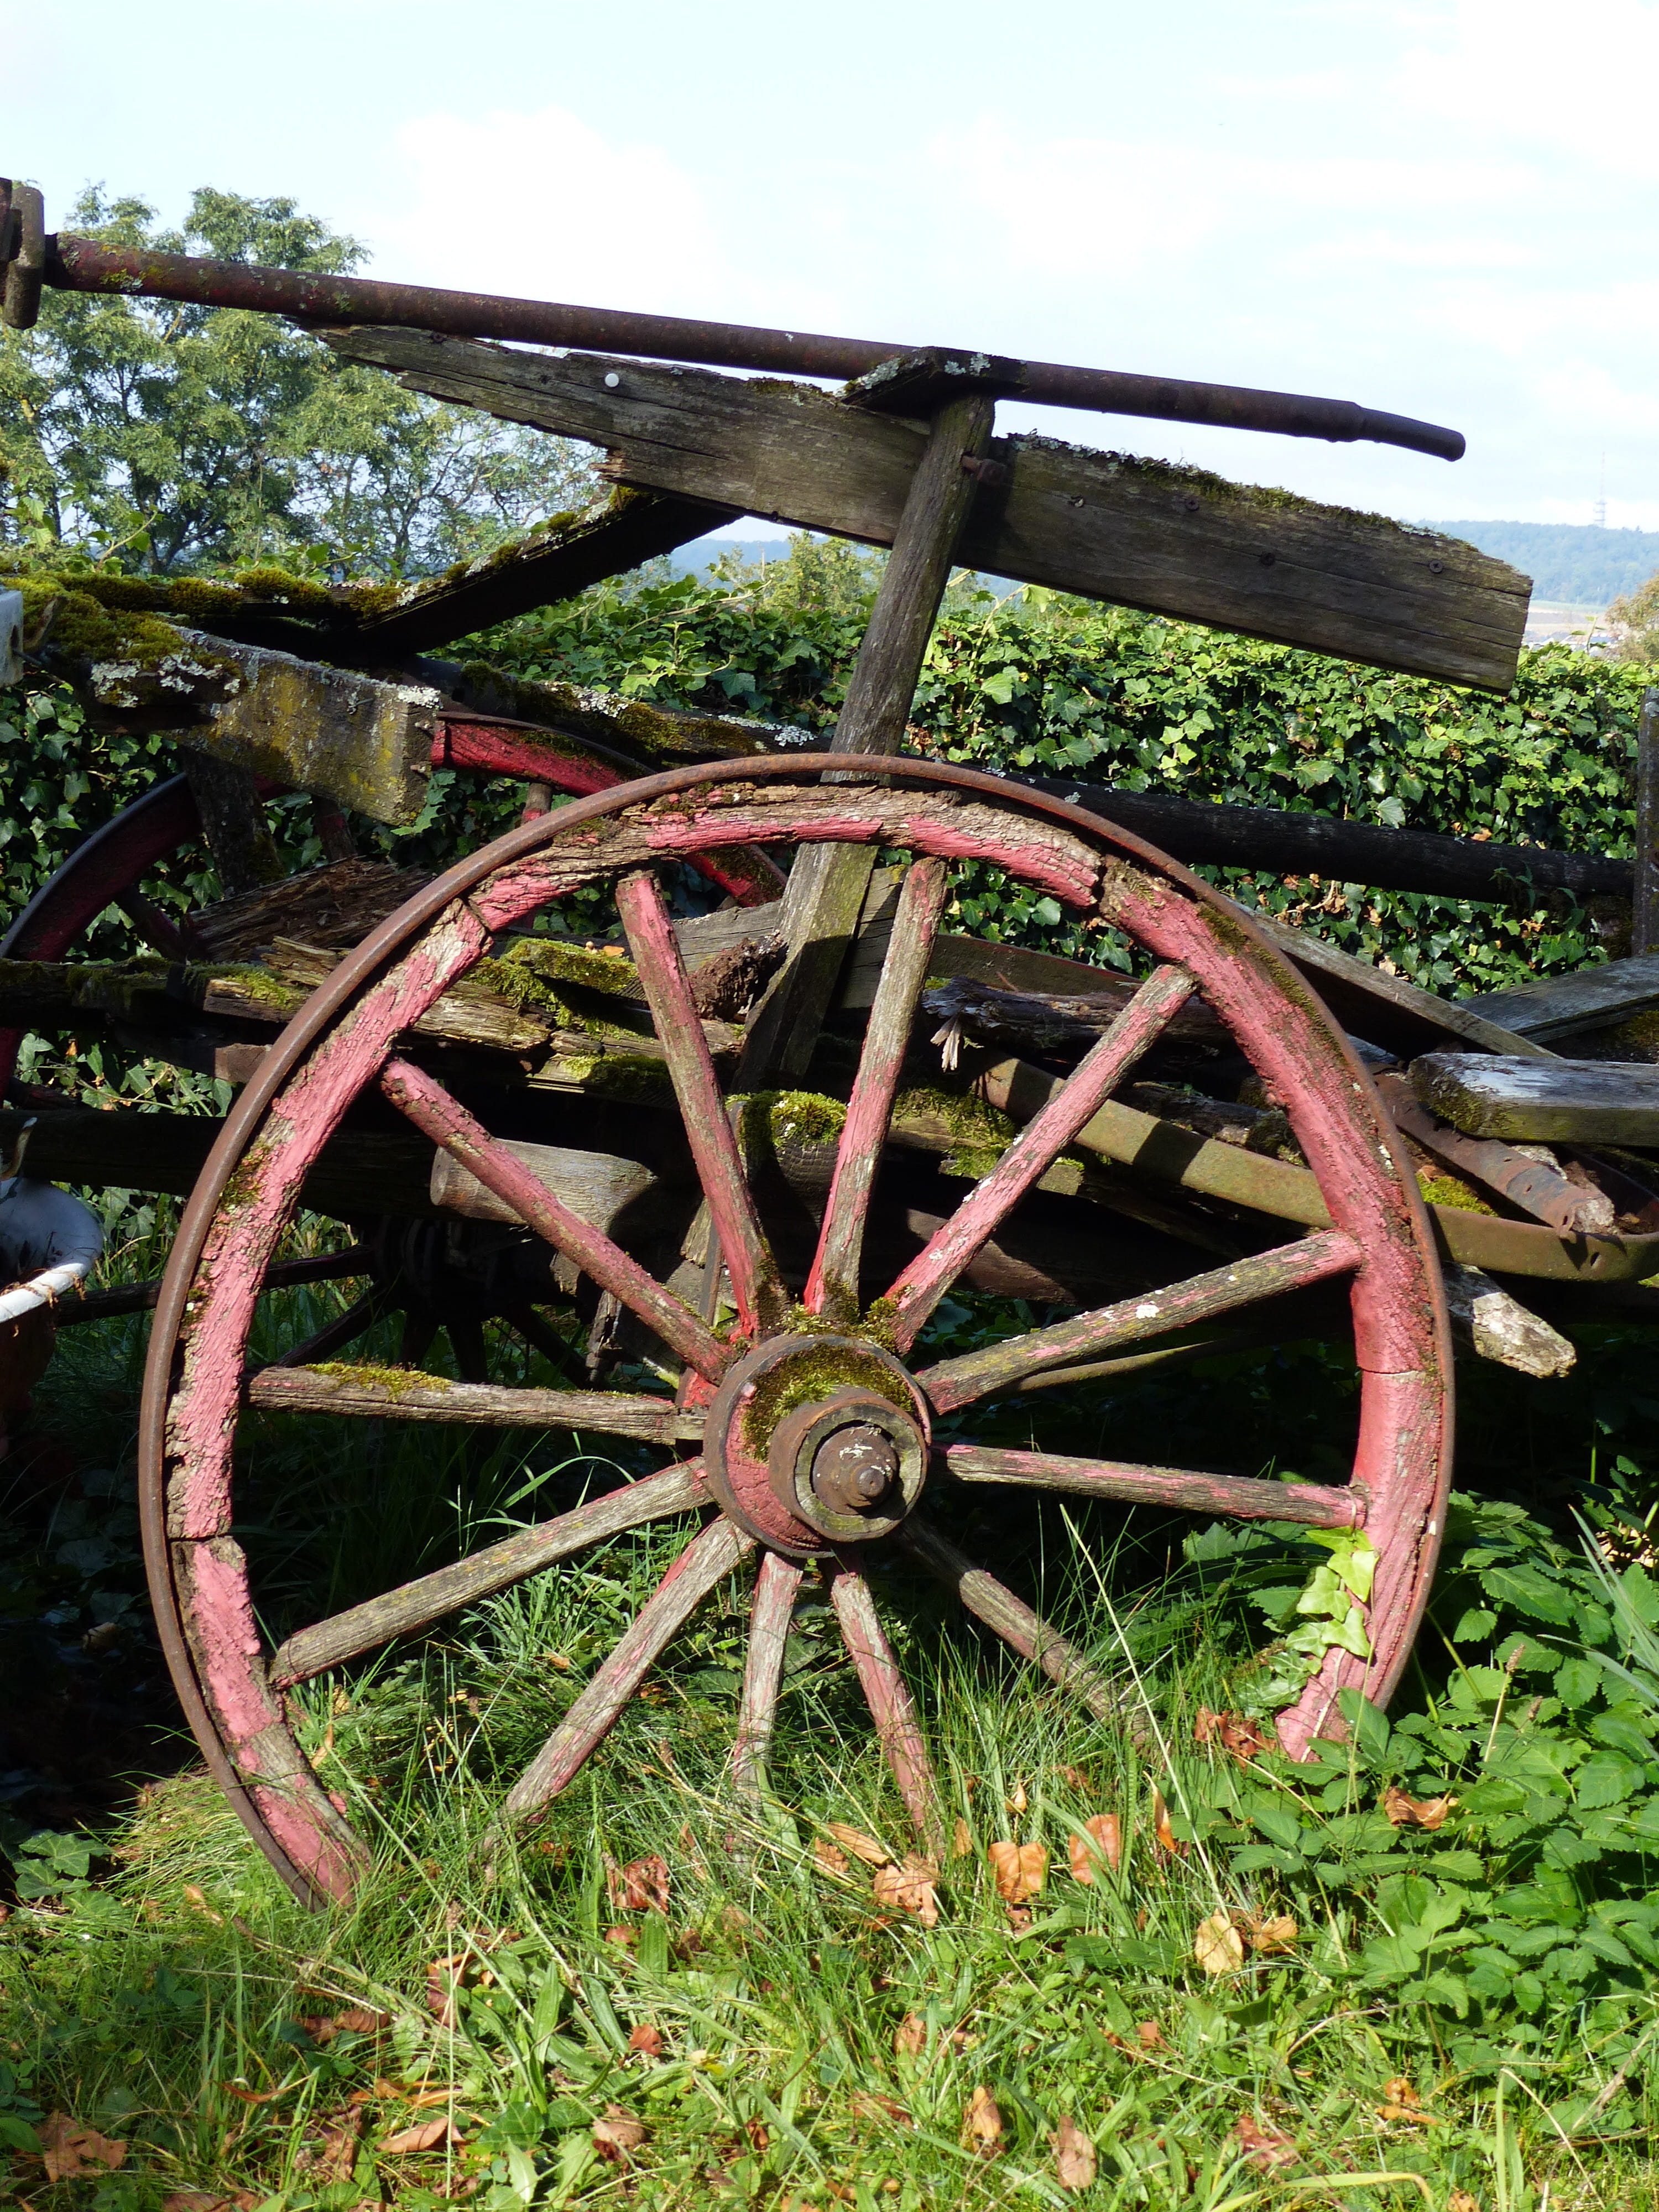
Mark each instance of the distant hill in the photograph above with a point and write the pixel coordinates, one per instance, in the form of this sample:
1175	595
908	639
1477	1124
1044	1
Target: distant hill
1572	564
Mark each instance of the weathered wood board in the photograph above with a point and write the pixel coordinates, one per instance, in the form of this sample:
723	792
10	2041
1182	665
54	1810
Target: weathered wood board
1137	534
1587	999
1584	1102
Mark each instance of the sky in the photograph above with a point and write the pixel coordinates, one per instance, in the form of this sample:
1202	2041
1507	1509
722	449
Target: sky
1443	209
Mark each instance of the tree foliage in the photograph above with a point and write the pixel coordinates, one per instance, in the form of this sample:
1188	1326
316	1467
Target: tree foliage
177	438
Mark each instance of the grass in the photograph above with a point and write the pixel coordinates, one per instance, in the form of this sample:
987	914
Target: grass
790	2031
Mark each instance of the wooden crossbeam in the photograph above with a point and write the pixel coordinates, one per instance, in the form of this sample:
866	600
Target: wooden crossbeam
1138	533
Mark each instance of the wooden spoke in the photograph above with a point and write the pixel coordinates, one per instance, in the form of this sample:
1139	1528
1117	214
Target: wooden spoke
1244	1497
139	1298
754	1286
447	1122
420	1334
401	1612
775	1586
1033	1152
356	1321
705	1561
526	1322
954	1382
833	1285
172	940
1014	1621
418	1397
466	1339
889	1700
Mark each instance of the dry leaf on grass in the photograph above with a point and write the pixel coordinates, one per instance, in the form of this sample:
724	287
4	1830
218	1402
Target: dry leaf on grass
1401	2102
1020	1870
647	2039
1218	1946
760	2136
1163	1834
623	1938
1264	2146
908	1888
831	1861
425	2135
355	2019
443	1983
1102	1838
1459	2201
1279	1932
1243	1738
910	2036
962	1841
870	2104
618	2134
1074	2155
641	1886
982	2125
1075	1778
67	2148
861	1845
1019	1800
1149	2035
1406	1812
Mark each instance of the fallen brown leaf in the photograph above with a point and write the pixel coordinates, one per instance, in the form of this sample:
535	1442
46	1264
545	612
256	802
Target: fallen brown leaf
1074	2155
1278	1934
623	1938
1407	1811
962	1841
760	2136
1102	1838
1075	1778
67	2148
910	1888
1149	2035
1020	1870
425	2135
198	1902
910	2036
861	1845
1401	2102
618	2134
647	2039
1218	1947
829	1858
259	2096
1163	1834
982	2125
1459	2201
443	1983
1019	1800
1243	1738
1263	2145
641	1886
870	2104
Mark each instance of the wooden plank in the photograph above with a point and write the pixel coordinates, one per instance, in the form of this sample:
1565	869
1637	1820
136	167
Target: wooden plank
1644	903
1540	1102
1587	999
1136	533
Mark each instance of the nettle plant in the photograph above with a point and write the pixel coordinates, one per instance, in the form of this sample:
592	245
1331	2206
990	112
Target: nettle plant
1494	1850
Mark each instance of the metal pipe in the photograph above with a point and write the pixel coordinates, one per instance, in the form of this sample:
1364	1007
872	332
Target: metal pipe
85	264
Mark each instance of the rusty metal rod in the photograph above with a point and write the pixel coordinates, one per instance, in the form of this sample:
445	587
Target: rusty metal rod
85	264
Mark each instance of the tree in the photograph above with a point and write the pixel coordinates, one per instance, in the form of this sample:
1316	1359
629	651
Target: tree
1634	622
171	438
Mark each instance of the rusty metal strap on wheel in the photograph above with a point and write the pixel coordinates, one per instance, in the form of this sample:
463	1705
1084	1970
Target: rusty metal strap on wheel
85	264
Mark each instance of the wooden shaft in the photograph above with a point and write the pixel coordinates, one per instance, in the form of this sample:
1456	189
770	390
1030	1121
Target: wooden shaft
1025	1631
889	1700
233	823
828	883
1644	911
833	1284
931	1274
1244	1497
447	1122
760	1297
418	1604
705	1561
955	1382
373	1393
762	1672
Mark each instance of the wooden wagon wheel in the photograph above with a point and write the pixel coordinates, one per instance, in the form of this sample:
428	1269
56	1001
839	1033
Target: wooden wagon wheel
812	1408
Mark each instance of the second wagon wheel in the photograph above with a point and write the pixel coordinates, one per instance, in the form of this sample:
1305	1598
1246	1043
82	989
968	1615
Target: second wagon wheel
804	1398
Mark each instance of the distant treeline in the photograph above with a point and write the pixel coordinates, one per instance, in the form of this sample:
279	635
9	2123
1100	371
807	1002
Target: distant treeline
1570	563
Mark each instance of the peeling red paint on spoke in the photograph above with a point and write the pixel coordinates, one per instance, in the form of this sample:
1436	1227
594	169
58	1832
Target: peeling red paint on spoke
775	1586
834	1279
447	1122
705	1562
1247	1497
955	1382
1034	1151
760	1298
889	1701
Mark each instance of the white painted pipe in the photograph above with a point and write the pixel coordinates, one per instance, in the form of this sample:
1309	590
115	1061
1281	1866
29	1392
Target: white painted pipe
49	1244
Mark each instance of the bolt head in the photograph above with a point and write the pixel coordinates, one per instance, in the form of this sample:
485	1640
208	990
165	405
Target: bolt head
854	1468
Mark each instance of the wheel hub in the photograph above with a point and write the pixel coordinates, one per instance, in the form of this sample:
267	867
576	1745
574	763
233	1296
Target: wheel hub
819	1440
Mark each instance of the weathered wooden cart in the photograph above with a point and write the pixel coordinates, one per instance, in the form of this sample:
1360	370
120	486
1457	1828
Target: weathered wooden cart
744	1129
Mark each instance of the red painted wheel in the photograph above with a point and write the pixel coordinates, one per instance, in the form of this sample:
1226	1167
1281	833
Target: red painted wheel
810	1403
